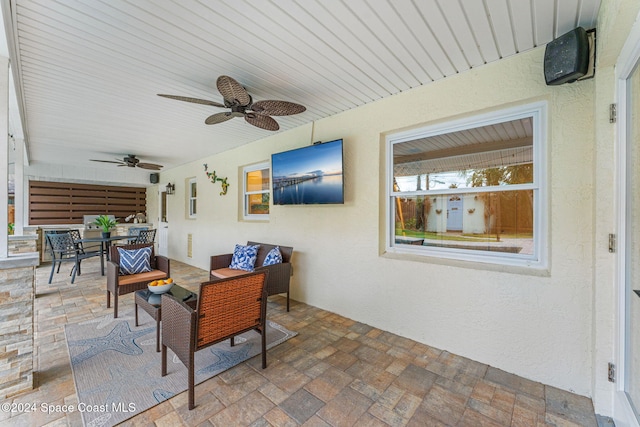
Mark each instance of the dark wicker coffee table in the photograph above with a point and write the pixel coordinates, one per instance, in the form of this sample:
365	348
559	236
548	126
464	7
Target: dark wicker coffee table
151	303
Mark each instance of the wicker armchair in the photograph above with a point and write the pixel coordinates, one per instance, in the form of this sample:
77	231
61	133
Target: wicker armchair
123	284
279	274
226	308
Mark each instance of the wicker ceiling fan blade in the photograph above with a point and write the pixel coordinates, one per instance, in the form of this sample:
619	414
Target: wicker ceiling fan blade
262	121
117	162
219	118
277	108
193	100
150	166
232	91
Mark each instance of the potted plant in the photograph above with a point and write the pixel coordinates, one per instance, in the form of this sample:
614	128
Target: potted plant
106	223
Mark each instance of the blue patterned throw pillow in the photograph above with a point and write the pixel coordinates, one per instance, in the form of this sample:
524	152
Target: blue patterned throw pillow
273	257
244	257
134	261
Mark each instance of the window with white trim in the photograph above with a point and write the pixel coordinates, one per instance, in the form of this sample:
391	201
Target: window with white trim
256	191
193	194
471	189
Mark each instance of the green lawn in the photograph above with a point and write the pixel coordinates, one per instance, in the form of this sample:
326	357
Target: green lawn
459	237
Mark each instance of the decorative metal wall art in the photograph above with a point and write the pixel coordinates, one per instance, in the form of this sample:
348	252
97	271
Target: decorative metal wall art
213	177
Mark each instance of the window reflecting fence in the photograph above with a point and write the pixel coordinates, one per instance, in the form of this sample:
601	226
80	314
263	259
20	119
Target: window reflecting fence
491	221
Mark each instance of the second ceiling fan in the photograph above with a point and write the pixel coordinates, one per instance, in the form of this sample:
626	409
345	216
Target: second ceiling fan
131	161
241	104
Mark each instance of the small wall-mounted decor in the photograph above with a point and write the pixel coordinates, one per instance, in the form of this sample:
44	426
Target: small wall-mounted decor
438	211
213	177
471	210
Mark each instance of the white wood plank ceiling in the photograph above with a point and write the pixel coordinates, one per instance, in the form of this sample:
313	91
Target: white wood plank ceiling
88	71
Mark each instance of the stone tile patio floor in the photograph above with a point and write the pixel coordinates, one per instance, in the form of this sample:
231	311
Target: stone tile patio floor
336	372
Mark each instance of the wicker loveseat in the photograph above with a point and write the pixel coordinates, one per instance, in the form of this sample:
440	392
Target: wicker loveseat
123	284
279	274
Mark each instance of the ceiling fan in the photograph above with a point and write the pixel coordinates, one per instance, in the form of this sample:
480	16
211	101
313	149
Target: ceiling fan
132	162
241	104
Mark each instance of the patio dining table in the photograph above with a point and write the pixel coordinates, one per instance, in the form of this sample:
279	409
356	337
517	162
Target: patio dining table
105	242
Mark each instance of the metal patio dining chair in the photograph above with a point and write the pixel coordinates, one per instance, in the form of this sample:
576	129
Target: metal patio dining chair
63	249
146	236
134	232
81	251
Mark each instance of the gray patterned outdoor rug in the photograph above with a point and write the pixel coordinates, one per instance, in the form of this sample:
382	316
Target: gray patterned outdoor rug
116	368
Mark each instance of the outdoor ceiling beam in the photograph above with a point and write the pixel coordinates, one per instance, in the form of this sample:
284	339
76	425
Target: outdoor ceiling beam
463	150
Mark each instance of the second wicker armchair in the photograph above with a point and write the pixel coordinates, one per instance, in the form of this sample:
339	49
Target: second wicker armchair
225	308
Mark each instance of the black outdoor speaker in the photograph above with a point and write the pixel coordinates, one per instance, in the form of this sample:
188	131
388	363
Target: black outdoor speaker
566	58
154	178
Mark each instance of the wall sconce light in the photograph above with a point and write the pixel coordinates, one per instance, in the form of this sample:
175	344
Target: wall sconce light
171	188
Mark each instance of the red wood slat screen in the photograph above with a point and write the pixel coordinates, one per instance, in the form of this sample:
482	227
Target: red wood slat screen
67	203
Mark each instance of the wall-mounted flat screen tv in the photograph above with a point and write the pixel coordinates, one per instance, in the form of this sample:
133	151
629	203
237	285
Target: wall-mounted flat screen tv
308	175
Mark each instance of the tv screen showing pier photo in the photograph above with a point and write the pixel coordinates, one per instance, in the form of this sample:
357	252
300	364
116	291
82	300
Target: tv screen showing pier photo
308	175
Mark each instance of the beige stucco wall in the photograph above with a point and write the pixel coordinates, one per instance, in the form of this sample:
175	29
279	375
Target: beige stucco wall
535	325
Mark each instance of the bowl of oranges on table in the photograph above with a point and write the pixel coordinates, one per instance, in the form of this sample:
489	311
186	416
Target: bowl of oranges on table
160	286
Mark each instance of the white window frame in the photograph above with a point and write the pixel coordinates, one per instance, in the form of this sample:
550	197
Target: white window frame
192	201
245	193
539	259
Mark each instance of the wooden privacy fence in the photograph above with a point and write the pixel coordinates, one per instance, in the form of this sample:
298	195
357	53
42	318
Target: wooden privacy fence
67	203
